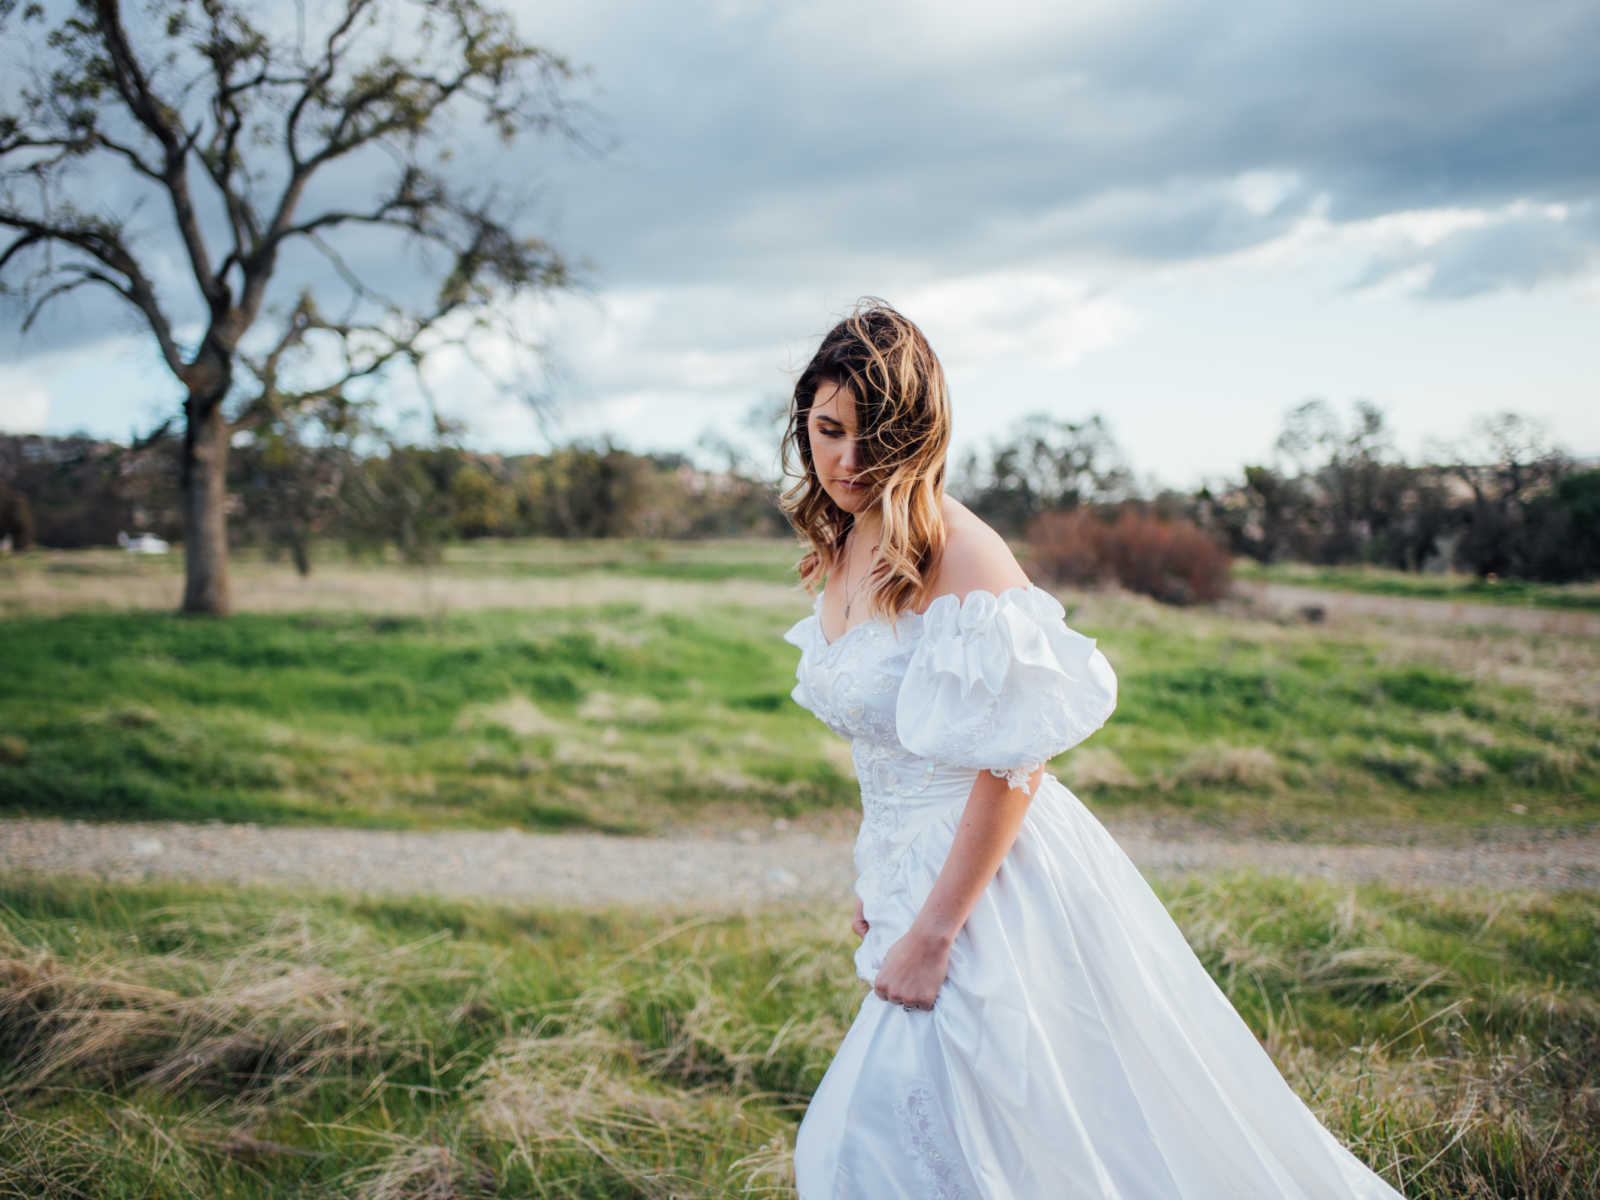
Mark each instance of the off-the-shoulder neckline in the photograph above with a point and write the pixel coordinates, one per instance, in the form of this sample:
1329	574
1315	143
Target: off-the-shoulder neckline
961	603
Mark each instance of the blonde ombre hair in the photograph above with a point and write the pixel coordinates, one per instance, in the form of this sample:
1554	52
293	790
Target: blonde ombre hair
903	426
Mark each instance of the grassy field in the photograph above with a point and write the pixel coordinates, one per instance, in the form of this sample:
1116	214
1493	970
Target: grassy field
189	1041
169	1041
1385	581
640	686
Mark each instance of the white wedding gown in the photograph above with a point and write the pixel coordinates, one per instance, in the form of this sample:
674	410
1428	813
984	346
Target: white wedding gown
1077	1048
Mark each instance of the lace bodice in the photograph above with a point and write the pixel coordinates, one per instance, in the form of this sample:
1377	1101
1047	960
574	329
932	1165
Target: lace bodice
987	681
983	681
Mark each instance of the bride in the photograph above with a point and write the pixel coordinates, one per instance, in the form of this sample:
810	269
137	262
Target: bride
1037	1026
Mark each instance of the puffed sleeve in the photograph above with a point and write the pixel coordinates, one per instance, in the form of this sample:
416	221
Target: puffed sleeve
803	633
1001	683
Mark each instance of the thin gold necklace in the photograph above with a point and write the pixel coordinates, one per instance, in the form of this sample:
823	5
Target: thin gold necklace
849	596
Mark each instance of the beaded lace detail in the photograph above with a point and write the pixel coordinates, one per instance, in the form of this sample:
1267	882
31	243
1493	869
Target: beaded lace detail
981	682
940	1170
1017	777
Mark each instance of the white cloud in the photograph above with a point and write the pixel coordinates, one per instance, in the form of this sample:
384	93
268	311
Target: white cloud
1024	316
1448	252
658	365
24	401
1262	191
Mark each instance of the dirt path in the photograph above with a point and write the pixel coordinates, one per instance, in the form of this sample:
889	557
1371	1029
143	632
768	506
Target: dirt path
742	870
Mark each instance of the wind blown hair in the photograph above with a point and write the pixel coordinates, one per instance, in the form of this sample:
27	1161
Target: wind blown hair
903	427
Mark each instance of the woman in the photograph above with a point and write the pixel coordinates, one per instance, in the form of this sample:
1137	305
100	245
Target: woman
1037	1026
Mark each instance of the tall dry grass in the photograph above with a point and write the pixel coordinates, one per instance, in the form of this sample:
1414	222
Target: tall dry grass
265	1024
256	1043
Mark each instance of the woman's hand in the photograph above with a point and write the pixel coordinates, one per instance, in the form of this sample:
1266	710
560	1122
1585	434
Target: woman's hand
858	923
913	970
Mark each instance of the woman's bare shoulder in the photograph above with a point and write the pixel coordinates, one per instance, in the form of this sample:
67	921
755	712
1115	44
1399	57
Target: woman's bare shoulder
975	556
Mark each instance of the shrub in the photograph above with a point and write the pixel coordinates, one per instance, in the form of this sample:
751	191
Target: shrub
16	518
1175	561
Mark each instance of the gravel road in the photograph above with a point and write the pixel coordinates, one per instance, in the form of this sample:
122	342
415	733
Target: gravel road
745	869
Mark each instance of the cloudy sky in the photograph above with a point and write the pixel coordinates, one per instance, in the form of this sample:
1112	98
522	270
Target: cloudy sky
1187	217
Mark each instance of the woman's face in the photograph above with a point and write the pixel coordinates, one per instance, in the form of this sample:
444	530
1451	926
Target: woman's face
835	450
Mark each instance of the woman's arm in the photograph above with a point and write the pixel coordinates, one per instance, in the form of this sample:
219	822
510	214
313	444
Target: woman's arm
915	966
974	556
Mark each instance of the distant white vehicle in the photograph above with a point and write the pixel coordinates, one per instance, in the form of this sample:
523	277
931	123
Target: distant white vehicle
142	543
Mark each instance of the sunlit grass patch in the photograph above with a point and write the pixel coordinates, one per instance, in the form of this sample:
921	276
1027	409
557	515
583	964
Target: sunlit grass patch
1276	722
482	719
587	701
1218	764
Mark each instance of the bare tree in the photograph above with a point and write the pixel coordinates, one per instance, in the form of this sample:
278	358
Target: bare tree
264	145
1505	458
1347	487
1508	462
1043	463
749	449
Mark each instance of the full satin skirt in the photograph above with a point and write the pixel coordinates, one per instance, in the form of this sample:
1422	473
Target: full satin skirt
1077	1048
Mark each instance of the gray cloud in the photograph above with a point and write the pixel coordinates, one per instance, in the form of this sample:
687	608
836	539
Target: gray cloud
792	147
841	140
1523	250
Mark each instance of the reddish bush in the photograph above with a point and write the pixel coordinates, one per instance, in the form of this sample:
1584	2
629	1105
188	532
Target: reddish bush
1174	561
1066	547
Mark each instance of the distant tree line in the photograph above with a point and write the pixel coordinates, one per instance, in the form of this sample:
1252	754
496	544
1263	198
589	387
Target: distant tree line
1502	501
284	495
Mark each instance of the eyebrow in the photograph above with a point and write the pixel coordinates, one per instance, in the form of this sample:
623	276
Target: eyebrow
826	417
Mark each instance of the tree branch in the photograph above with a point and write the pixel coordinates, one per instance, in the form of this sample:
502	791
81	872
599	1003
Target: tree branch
161	120
84	275
414	197
92	139
130	80
359	290
104	244
391	345
318	79
220	159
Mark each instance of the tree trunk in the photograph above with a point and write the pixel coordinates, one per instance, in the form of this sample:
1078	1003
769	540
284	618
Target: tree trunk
205	496
300	547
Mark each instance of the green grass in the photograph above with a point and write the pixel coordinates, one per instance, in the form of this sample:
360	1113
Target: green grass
669	707
1299	727
1385	581
189	1041
607	718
